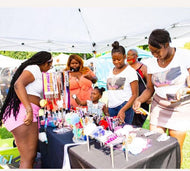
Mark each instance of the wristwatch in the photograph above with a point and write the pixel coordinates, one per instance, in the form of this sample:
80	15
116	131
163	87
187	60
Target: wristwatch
74	96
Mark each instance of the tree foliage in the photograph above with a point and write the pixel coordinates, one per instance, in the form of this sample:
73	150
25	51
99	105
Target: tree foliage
26	55
144	47
17	54
187	45
84	56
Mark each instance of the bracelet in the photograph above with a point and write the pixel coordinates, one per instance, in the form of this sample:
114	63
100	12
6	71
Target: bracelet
29	110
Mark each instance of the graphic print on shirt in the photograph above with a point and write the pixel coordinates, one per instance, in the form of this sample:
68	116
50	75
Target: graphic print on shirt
95	109
169	77
116	83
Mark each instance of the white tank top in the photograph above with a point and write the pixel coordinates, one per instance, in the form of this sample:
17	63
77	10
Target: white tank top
35	88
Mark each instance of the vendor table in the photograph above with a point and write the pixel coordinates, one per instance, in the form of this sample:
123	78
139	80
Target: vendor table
164	154
52	153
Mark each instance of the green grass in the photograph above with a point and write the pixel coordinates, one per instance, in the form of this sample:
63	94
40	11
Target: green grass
4	134
186	152
146	124
6	141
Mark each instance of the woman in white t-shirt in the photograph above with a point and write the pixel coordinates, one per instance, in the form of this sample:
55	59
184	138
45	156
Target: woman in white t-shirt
19	113
168	80
122	85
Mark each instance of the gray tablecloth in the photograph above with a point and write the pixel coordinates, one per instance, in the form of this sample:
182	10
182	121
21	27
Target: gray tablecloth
165	154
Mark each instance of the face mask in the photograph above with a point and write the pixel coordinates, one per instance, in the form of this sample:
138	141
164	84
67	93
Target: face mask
75	69
131	61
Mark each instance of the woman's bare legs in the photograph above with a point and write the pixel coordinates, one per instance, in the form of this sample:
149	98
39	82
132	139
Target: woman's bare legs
26	138
180	136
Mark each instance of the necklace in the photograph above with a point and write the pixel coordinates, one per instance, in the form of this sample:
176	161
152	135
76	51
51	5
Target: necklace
164	61
117	71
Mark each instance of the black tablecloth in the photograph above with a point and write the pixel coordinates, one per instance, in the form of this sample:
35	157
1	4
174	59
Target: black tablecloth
165	154
52	153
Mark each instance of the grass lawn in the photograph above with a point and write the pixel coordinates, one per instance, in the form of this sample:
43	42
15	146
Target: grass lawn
6	141
186	152
4	134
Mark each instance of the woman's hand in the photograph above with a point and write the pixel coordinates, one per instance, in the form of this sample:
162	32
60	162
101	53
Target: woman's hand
91	78
29	118
121	116
136	106
181	92
88	76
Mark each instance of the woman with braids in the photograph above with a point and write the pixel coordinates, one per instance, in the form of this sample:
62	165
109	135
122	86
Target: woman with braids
122	85
20	109
168	82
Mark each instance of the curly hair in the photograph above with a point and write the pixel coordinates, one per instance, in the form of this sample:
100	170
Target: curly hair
101	90
82	69
12	101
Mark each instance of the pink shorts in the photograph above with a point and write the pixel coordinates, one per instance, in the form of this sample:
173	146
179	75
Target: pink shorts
11	123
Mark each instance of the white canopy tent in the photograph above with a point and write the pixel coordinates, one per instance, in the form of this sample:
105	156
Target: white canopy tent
7	62
87	29
60	59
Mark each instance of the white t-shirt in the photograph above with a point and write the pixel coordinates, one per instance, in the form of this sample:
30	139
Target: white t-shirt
170	79
119	89
35	88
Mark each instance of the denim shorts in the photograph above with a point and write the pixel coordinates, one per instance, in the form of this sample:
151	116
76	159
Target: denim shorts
129	114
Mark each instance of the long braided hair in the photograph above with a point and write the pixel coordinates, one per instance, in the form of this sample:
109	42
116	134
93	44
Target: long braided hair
12	101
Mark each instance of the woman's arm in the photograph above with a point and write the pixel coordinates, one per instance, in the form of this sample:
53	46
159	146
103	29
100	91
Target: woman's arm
24	79
78	101
134	89
91	76
93	79
147	94
144	71
105	110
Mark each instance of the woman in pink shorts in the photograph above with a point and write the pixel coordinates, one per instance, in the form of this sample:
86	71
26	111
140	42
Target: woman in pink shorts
20	109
